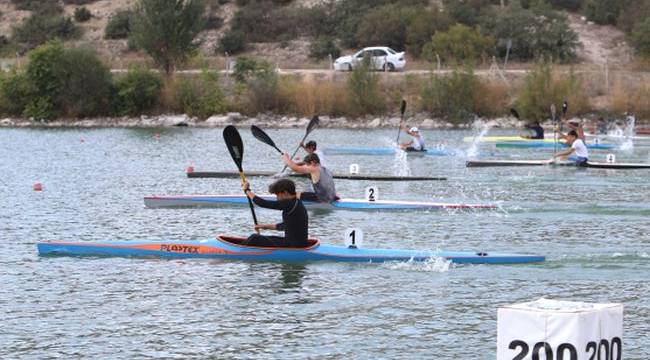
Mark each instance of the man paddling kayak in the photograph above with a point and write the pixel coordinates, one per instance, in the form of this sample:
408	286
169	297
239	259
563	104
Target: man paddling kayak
577	152
321	178
310	148
537	129
295	221
417	140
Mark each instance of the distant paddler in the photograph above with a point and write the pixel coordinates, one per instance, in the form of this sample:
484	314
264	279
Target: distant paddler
311	148
295	221
536	129
417	140
577	152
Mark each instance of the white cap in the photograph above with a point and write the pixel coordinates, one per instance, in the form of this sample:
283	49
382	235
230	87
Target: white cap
414	129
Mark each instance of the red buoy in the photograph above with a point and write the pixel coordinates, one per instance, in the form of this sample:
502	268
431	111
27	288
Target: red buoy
37	187
190	169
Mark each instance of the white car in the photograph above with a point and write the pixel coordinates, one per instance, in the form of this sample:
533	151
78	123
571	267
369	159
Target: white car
383	58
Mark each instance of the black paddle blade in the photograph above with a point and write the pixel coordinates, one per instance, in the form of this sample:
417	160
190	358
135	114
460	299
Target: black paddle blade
514	113
402	108
235	145
313	123
260	135
565	107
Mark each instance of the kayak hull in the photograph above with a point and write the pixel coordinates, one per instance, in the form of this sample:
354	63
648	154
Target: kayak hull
390	151
229	248
235	175
589	164
547	144
181	201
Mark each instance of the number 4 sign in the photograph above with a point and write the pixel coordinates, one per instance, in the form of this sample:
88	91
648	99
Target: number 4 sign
353	238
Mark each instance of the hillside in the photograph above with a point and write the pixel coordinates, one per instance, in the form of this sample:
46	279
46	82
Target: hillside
597	43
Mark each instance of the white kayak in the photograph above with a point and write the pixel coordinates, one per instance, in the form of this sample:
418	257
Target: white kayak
186	201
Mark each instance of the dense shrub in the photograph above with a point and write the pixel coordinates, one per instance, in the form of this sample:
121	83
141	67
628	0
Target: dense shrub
363	89
87	84
455	97
82	14
640	38
386	26
603	11
322	47
632	12
467	12
232	42
138	92
460	44
542	88
260	81
422	27
40	6
119	25
212	22
40	28
14	93
201	96
573	5
535	32
261	21
58	81
78	2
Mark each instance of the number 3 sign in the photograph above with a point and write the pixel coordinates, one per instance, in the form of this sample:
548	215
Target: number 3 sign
560	330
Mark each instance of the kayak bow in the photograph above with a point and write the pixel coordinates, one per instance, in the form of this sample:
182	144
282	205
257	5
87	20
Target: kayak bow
230	248
175	201
589	164
230	174
546	144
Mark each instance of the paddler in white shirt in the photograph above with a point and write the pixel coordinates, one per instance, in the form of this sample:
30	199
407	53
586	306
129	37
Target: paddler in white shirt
577	152
310	148
417	140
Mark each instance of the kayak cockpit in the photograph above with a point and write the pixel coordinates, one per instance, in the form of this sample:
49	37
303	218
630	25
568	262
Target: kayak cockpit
238	241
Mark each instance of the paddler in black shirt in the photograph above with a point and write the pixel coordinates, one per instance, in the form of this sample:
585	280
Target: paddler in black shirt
295	222
537	129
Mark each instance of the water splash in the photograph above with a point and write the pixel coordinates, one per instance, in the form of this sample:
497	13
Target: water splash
625	133
432	264
482	127
400	161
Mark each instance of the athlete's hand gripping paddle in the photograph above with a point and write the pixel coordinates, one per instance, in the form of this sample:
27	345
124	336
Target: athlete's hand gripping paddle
313	123
236	149
402	110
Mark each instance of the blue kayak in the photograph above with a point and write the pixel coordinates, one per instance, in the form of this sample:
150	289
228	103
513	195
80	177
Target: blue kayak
231	248
185	201
390	151
546	144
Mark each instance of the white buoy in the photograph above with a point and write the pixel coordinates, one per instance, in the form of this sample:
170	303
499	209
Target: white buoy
550	330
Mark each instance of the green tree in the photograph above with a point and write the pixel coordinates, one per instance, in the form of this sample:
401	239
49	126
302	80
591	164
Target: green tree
200	96
422	27
138	92
387	26
166	30
460	44
454	97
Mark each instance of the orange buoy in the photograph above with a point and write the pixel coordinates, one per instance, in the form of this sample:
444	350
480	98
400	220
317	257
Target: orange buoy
190	169
37	187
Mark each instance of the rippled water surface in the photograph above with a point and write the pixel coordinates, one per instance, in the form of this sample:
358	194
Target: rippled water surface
593	226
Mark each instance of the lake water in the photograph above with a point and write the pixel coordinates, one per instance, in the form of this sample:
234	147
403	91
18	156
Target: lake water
593	226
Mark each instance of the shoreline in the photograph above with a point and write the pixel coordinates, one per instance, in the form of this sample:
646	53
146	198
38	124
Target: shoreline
267	121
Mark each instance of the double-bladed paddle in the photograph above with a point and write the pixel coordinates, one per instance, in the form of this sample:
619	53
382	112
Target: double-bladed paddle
402	110
313	123
555	129
260	135
236	149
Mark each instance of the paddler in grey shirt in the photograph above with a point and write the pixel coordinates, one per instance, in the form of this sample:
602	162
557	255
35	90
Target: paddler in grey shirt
321	178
